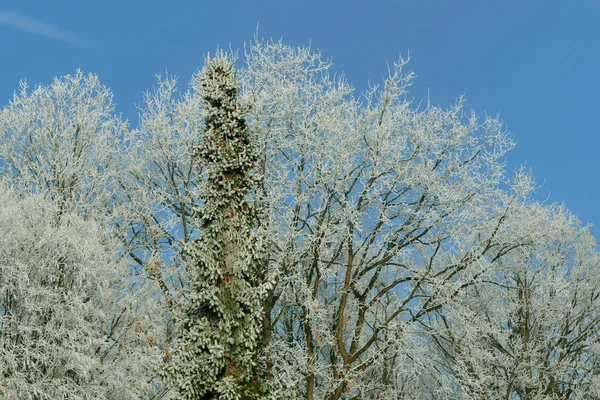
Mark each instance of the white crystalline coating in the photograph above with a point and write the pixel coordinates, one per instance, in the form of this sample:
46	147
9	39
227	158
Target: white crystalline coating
66	323
223	308
63	139
395	257
420	198
70	325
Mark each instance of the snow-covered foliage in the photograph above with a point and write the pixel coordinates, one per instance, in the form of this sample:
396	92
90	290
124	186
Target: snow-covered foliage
529	329
75	322
218	354
397	259
63	140
379	211
68	327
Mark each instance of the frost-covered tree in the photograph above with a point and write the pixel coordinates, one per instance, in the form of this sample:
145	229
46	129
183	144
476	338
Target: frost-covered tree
162	187
530	327
219	350
63	140
68	328
379	213
62	143
379	210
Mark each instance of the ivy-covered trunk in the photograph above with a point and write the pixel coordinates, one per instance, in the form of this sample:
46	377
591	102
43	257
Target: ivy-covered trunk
219	354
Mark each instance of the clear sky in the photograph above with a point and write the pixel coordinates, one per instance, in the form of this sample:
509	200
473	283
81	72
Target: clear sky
536	63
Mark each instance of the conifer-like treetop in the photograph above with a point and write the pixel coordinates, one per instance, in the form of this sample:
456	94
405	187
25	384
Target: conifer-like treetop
218	355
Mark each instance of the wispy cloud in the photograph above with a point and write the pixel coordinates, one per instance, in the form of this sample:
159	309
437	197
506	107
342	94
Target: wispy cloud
32	25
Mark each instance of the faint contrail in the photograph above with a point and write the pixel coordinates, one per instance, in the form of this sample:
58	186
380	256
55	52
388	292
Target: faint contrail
32	25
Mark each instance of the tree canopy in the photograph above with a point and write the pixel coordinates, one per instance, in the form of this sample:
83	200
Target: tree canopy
270	233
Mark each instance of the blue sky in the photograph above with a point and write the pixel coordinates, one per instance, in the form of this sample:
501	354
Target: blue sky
536	63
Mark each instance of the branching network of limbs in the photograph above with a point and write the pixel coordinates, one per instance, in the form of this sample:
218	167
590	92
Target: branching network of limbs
270	234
